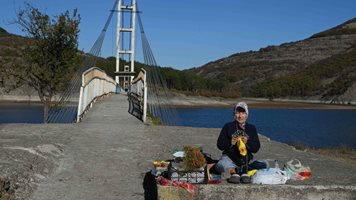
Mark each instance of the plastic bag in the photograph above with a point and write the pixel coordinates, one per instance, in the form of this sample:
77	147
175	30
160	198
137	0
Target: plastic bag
179	154
270	176
296	171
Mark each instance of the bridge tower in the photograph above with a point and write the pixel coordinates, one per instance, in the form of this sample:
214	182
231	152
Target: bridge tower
125	42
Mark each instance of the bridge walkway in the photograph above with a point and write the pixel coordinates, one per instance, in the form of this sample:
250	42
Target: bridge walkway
105	158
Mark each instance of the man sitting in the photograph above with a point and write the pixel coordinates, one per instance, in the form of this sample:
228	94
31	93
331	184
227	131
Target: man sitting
238	140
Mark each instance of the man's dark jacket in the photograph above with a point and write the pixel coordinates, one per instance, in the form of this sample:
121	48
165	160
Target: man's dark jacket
224	142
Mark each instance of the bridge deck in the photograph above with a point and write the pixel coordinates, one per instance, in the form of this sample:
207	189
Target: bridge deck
103	159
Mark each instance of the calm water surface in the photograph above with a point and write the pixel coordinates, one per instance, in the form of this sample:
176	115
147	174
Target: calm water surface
28	113
21	113
317	128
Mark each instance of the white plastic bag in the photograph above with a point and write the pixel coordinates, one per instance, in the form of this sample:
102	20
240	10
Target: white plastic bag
296	171
270	176
179	154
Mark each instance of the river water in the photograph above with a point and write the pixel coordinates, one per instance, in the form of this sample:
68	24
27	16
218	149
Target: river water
27	113
312	127
316	128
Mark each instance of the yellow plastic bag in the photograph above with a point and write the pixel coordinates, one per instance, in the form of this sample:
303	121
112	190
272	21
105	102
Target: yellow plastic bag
242	147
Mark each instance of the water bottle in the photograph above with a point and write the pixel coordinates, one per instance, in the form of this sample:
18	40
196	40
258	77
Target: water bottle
276	164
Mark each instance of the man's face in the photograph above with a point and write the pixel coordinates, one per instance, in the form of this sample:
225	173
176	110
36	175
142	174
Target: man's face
240	116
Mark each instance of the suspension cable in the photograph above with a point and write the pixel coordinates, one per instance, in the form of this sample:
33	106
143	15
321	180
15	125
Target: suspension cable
159	95
63	109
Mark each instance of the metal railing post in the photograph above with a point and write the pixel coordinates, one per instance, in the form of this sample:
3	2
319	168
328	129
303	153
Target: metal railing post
144	117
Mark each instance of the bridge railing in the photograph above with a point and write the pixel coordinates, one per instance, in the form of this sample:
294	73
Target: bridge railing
95	84
138	96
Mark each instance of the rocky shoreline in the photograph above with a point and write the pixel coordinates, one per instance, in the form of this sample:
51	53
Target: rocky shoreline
199	101
183	101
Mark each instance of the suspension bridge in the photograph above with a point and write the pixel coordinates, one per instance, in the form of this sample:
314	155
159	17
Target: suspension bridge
107	154
145	87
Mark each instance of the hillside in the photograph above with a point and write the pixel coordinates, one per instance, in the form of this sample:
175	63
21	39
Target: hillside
10	44
321	67
182	81
3	32
324	64
10	48
11	54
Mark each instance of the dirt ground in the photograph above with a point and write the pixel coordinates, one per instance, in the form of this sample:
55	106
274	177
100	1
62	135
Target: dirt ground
107	155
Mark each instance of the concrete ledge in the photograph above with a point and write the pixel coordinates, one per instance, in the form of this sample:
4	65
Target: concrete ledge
287	192
283	192
173	193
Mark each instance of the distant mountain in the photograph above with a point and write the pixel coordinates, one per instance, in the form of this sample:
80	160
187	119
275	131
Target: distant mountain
10	44
3	32
10	47
320	67
327	58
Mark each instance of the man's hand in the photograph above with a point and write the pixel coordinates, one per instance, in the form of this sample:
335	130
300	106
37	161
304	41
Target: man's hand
244	138
234	140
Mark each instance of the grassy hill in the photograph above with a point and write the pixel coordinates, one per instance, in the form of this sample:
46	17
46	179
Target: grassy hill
320	67
346	28
10	49
182	81
329	79
3	32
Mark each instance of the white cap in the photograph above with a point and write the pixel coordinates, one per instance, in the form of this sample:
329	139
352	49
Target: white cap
242	105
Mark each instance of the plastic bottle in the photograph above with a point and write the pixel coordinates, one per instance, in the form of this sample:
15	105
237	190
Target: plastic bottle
276	164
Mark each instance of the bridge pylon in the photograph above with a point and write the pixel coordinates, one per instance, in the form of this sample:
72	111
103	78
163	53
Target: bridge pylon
125	43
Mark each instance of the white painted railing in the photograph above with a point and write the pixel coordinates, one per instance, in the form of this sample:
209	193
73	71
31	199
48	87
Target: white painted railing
95	84
138	96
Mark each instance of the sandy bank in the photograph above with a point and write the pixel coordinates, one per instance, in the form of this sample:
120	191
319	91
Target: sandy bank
199	101
183	101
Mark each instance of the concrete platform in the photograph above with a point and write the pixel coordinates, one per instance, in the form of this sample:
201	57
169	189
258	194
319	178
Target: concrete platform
330	179
108	154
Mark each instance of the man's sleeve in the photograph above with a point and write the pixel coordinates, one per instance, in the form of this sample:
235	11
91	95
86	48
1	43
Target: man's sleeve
253	143
223	140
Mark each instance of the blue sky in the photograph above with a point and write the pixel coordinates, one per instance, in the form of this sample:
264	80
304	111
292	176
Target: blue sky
190	33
